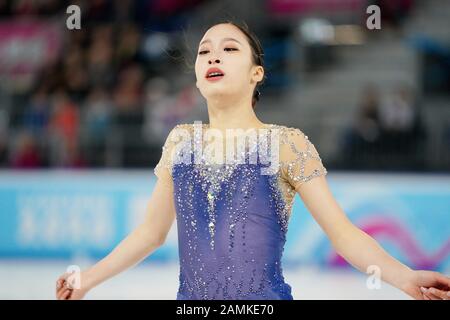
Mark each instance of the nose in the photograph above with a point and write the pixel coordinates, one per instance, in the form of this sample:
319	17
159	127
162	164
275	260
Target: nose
215	60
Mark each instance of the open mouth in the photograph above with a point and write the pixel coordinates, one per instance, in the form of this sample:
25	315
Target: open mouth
215	77
214	74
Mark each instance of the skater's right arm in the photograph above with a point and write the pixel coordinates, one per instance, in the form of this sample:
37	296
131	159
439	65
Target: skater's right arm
140	243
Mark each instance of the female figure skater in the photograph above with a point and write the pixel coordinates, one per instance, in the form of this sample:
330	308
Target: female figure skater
232	219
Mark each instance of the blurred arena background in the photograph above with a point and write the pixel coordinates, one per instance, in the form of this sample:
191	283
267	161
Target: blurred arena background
84	113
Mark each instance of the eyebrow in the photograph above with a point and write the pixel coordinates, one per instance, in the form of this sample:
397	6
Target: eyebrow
224	39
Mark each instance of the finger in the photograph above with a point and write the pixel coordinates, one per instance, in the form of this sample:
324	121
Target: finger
432	296
61	290
426	292
425	297
59	294
69	296
429	296
60	283
67	284
62	293
439	293
66	294
61	280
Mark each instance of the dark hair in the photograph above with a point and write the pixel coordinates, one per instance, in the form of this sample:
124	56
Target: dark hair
257	52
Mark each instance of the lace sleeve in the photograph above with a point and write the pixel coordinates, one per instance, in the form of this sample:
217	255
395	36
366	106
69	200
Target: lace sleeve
173	150
300	161
164	166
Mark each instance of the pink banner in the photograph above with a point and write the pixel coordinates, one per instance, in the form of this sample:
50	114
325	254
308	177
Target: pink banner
26	46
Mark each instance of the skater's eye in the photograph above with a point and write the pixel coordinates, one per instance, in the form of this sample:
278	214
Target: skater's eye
226	49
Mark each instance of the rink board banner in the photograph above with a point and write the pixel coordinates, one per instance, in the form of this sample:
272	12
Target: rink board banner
65	214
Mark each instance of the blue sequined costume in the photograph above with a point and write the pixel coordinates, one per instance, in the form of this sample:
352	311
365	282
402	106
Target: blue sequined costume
232	219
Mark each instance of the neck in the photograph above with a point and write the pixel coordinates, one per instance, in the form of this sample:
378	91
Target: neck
232	114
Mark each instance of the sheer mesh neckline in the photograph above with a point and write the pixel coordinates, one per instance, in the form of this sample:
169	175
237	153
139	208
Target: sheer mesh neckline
249	148
265	126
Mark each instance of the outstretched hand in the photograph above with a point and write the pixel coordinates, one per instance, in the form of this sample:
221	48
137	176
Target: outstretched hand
428	285
69	287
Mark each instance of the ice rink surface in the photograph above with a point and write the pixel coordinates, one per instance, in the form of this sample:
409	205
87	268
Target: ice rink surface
33	279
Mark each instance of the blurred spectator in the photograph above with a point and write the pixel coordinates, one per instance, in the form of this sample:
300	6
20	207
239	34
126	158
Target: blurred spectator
367	122
100	59
64	125
99	10
74	57
128	112
362	139
97	114
401	123
164	110
394	12
25	154
78	38
157	102
124	11
128	92
32	7
128	47
103	33
398	111
77	82
4	134
446	144
97	122
50	7
188	103
36	115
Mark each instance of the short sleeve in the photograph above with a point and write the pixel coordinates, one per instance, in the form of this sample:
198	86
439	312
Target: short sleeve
300	160
164	167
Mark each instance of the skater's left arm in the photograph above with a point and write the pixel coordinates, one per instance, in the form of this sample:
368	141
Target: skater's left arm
362	251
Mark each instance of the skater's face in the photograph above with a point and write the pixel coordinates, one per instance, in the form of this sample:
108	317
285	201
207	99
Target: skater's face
225	47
